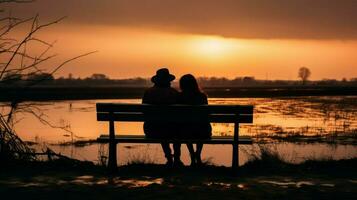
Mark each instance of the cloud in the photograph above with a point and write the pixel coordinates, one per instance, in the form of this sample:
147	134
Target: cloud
257	19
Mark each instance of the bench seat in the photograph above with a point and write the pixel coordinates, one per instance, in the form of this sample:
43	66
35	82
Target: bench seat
143	139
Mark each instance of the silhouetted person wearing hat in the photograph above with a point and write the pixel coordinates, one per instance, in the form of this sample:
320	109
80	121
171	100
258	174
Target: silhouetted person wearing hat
163	94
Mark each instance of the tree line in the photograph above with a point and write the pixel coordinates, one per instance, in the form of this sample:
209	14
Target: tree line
104	80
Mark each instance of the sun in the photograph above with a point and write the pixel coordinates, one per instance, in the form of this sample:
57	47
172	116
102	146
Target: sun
211	47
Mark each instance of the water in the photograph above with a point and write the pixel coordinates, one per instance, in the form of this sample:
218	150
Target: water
274	118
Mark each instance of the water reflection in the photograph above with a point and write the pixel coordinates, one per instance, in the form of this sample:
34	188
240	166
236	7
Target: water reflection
298	184
283	118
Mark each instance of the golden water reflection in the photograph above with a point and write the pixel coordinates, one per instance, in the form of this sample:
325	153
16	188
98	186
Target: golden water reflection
303	116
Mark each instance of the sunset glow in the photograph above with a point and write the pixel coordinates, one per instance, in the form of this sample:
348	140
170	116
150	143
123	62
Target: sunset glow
133	40
212	47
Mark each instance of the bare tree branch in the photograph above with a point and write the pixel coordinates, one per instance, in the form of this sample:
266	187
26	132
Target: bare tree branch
34	30
21	62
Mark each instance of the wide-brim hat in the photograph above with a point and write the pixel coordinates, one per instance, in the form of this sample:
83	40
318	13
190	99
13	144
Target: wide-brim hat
162	76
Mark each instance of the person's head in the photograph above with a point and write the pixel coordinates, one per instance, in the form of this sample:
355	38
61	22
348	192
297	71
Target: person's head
162	78
188	83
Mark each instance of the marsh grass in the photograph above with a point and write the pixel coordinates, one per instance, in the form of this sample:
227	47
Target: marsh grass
267	160
143	158
103	155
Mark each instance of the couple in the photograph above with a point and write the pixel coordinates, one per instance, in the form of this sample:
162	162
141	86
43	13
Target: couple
163	94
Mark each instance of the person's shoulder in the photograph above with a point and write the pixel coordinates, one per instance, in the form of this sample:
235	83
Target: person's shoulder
147	95
203	95
204	98
148	89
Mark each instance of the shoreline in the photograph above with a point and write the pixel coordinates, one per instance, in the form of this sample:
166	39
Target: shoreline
47	93
321	139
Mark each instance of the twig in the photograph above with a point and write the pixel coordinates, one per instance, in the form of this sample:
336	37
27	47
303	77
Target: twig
34	30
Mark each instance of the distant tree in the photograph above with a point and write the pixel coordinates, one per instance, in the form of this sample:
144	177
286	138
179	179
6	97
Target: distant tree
40	77
11	77
237	81
304	74
99	77
248	79
344	80
329	82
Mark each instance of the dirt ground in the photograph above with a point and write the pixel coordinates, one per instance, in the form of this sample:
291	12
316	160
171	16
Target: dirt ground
310	180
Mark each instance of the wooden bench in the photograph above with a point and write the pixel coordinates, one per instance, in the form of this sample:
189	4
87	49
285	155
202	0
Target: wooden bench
112	112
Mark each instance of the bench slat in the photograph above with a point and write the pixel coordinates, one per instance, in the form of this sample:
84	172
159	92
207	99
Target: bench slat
140	117
213	109
143	139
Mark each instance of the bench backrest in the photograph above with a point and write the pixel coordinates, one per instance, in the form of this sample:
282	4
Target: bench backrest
174	113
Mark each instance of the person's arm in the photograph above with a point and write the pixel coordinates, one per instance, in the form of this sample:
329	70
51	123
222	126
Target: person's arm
144	99
205	99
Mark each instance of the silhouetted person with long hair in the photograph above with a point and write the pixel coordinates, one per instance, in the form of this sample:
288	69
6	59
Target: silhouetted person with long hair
163	94
192	95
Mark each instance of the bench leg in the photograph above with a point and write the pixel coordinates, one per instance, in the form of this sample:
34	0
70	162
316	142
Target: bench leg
112	162
235	150
235	157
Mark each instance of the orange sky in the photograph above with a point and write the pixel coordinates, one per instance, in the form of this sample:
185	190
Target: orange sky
265	44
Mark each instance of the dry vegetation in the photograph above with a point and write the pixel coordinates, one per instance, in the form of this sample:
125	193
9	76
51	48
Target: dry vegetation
18	61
